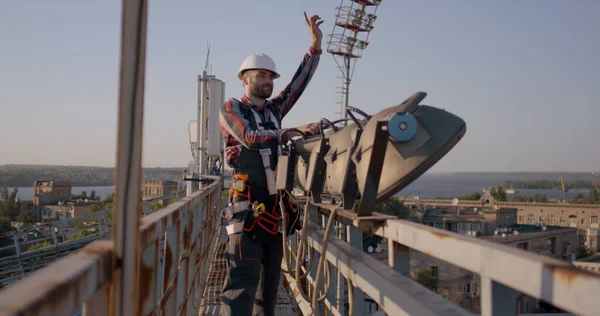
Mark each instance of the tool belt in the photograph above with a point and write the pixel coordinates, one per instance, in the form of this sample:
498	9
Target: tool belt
261	219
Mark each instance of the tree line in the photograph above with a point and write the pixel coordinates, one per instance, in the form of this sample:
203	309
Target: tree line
549	185
25	175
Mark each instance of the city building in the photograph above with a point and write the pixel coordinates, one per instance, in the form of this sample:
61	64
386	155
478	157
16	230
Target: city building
158	188
47	192
583	217
65	211
51	191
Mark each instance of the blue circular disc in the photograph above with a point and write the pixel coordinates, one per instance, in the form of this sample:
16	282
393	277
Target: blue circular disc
403	127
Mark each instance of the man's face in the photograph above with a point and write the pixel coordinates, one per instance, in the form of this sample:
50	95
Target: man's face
260	82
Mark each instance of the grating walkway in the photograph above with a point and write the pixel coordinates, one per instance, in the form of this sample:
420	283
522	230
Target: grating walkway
211	300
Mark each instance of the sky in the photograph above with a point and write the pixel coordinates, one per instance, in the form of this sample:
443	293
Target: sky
524	75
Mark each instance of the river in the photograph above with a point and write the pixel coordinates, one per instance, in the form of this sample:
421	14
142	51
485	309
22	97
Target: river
431	185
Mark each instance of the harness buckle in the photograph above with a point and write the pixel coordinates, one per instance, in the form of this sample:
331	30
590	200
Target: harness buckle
258	210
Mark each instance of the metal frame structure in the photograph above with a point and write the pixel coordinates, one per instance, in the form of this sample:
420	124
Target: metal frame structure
352	21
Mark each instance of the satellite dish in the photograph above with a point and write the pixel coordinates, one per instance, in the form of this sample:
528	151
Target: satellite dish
370	249
544	228
378	250
454	201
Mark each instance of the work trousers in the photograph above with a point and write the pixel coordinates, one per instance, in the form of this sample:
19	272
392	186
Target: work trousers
253	275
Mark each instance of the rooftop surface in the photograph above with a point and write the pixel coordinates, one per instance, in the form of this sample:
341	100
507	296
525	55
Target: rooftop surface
527	232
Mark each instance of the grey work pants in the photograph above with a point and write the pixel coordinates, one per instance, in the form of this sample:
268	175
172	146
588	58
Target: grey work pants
253	276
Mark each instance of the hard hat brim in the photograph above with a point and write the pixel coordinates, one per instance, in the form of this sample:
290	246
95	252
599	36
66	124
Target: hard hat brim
241	72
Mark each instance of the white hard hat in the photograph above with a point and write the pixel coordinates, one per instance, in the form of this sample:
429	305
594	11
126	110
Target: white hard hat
258	61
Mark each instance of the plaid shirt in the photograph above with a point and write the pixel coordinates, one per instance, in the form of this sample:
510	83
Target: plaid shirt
236	129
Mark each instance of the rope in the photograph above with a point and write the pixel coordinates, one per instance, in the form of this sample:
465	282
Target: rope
324	267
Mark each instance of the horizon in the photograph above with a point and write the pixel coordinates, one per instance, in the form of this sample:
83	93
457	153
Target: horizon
430	171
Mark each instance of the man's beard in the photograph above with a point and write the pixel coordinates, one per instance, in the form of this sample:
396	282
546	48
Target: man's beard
264	91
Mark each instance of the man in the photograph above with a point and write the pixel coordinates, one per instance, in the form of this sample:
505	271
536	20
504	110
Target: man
252	133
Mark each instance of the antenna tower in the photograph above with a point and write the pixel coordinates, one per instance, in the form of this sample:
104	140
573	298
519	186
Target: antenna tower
350	36
207	66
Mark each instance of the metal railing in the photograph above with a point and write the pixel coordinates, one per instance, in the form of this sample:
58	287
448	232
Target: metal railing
504	272
449	202
187	228
24	255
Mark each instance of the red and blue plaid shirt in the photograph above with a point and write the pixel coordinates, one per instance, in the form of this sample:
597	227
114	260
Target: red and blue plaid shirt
236	129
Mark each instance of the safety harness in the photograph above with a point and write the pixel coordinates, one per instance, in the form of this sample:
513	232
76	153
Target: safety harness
268	223
258	216
266	152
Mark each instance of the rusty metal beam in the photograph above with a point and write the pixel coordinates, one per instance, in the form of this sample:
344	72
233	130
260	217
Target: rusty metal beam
60	287
155	224
448	202
551	280
394	292
128	172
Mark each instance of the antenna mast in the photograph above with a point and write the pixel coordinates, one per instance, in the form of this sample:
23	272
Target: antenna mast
206	64
352	21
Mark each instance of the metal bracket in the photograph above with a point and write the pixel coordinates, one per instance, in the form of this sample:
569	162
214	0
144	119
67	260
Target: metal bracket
368	192
316	170
286	167
349	185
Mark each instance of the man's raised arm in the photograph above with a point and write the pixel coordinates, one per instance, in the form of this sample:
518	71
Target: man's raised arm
292	92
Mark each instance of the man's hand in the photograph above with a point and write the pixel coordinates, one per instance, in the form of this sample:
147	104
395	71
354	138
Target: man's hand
287	135
313	26
311	129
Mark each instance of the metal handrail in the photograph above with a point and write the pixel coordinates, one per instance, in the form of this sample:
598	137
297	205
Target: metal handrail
422	201
504	272
187	227
14	267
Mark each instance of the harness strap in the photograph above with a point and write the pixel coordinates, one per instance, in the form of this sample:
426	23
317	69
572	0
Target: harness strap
237	227
266	153
234	228
234	208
